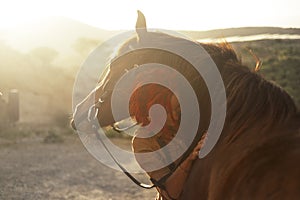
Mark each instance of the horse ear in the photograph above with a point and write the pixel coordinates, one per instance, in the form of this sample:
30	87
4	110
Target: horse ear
140	27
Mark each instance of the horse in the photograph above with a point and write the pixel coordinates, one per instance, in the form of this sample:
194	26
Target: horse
259	117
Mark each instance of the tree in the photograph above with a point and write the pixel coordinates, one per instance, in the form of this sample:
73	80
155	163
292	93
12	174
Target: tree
84	46
46	55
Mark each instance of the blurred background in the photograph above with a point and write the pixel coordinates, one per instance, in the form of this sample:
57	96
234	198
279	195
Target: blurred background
44	43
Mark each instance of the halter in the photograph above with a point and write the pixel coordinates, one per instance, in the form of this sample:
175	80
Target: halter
92	118
94	110
92	114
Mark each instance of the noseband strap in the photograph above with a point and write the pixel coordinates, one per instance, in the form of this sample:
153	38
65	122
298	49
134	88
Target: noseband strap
95	128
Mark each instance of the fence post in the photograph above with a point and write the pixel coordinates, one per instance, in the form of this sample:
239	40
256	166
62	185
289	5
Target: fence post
3	113
13	106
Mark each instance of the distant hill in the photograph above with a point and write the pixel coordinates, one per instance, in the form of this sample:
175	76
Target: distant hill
58	33
61	33
244	31
280	62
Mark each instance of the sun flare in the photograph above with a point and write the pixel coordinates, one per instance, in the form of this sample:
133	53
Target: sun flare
189	14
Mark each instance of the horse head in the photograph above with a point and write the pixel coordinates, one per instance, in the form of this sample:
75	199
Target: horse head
132	54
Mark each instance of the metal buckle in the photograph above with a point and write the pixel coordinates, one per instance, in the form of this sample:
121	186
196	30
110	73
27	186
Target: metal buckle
92	115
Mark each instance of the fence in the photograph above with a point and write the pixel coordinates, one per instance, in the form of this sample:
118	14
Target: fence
10	111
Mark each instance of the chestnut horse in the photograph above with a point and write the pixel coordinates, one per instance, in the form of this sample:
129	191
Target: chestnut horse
258	153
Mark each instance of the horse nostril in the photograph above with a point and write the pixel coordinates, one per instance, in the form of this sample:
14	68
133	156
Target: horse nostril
73	124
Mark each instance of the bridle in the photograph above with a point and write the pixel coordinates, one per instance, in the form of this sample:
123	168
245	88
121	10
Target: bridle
94	110
92	114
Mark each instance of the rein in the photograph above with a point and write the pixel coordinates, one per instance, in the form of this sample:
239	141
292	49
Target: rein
93	120
131	177
145	186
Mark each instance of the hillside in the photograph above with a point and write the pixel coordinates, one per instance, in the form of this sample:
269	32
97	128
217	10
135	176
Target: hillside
244	31
60	34
281	62
43	67
57	32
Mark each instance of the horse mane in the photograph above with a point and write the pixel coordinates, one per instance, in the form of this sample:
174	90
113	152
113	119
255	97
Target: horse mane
252	101
259	115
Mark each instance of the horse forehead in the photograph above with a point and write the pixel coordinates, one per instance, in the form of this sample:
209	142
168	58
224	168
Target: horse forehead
148	39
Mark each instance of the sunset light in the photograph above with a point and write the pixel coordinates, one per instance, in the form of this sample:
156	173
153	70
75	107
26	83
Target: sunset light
149	99
183	15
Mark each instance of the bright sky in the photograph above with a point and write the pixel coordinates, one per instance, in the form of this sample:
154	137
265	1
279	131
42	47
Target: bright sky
167	14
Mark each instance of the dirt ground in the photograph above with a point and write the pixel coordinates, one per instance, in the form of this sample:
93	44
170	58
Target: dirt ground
32	169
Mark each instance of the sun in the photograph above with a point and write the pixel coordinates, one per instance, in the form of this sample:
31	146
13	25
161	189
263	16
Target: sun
166	14
9	20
